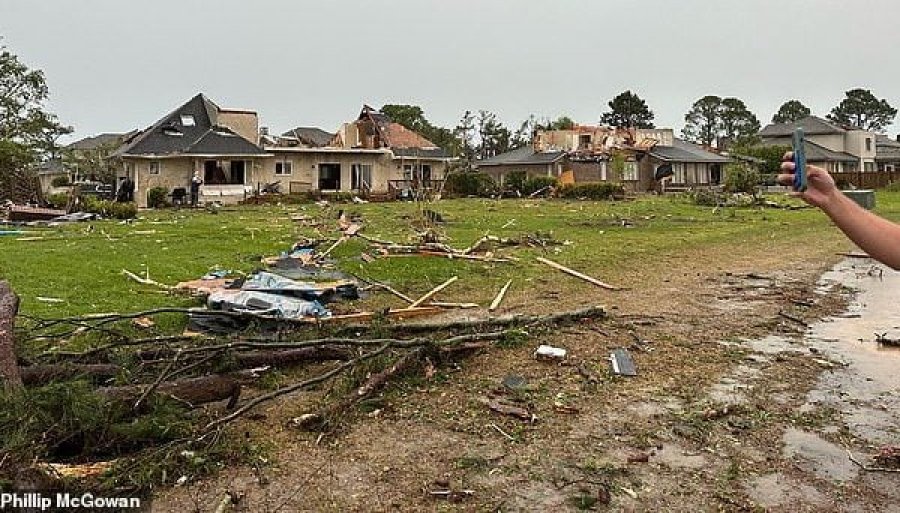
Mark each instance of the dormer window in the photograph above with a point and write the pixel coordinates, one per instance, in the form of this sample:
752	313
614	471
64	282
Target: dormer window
187	120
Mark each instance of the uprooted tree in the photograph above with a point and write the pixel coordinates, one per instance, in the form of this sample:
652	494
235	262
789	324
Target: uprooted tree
28	133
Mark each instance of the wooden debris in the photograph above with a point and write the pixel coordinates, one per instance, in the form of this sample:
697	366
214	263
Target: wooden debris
793	319
508	409
440	304
146	281
855	255
500	295
433	291
577	274
78	471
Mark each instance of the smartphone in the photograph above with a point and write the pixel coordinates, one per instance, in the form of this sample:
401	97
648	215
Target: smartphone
799	161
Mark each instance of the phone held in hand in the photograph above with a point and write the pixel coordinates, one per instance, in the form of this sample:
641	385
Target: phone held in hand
799	161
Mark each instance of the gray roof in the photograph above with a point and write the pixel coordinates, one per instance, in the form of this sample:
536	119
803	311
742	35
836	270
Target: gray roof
816	153
524	156
683	151
811	125
51	167
94	142
170	136
311	135
425	153
886	149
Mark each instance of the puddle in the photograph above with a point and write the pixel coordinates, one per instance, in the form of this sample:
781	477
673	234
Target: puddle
813	454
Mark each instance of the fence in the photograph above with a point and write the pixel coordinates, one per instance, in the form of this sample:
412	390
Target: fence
866	179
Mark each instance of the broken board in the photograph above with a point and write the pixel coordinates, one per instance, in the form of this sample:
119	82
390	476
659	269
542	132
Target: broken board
622	363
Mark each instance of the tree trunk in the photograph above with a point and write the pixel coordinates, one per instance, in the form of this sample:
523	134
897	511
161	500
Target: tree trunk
9	368
205	389
42	374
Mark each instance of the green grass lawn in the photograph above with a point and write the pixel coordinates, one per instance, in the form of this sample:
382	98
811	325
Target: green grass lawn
82	263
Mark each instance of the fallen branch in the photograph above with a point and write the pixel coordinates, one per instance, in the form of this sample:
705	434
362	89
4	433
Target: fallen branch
193	391
868	468
794	319
9	367
42	374
577	274
256	401
162	376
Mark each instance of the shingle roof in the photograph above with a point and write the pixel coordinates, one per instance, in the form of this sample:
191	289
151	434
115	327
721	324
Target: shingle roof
313	136
172	136
523	156
394	135
683	151
94	142
427	153
886	148
816	153
811	125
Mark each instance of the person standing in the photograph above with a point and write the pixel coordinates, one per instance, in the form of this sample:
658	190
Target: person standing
196	182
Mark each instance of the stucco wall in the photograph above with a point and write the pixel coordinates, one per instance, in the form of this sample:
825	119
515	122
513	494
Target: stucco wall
177	172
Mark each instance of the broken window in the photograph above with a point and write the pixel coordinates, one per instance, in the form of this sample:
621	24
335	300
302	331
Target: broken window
361	177
187	120
224	172
284	167
330	177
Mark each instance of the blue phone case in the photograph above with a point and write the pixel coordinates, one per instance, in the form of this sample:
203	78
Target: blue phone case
799	161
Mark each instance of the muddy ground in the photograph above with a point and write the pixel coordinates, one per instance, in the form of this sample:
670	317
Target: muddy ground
736	407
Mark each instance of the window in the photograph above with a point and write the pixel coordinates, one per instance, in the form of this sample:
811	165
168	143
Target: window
868	167
224	172
329	177
187	120
361	176
678	172
868	144
631	171
153	168
284	168
172	131
416	173
584	141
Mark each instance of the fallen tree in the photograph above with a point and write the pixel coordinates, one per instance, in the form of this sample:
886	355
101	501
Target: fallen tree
9	368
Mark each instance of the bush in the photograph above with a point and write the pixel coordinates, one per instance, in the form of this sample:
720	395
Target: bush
60	200
741	178
157	197
109	209
593	191
470	184
515	181
537	183
60	181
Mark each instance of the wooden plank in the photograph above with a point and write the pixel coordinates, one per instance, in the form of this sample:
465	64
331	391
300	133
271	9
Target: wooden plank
433	291
577	274
500	295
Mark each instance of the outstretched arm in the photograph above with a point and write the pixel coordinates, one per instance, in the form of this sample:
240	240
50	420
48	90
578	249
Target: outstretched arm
876	236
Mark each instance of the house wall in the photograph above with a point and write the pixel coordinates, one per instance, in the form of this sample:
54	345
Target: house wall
177	172
305	169
245	123
855	141
499	173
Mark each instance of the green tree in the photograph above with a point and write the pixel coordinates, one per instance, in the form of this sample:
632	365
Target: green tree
790	111
523	136
561	123
493	137
862	109
628	110
719	120
702	124
28	133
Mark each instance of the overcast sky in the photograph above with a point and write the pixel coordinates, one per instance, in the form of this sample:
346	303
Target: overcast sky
114	65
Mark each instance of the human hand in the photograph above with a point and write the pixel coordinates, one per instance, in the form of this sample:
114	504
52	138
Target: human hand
821	188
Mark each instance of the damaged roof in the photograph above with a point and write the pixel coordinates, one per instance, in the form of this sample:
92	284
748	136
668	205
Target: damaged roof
394	135
683	151
811	125
189	130
312	136
524	156
98	141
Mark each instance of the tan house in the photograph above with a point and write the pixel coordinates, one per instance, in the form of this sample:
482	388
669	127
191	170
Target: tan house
584	154
220	144
369	156
836	148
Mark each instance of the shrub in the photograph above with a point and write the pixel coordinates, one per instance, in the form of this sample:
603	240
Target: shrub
593	191
109	209
156	197
60	200
537	183
59	181
741	178
470	184
515	181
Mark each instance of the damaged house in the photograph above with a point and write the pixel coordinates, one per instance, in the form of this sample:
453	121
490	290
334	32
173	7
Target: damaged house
370	157
199	136
584	154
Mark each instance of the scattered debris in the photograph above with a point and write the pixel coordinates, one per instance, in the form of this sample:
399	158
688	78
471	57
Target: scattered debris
143	322
883	339
577	274
545	352
888	459
50	299
511	410
639	457
146	281
622	363
24	213
433	291
500	295
514	382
